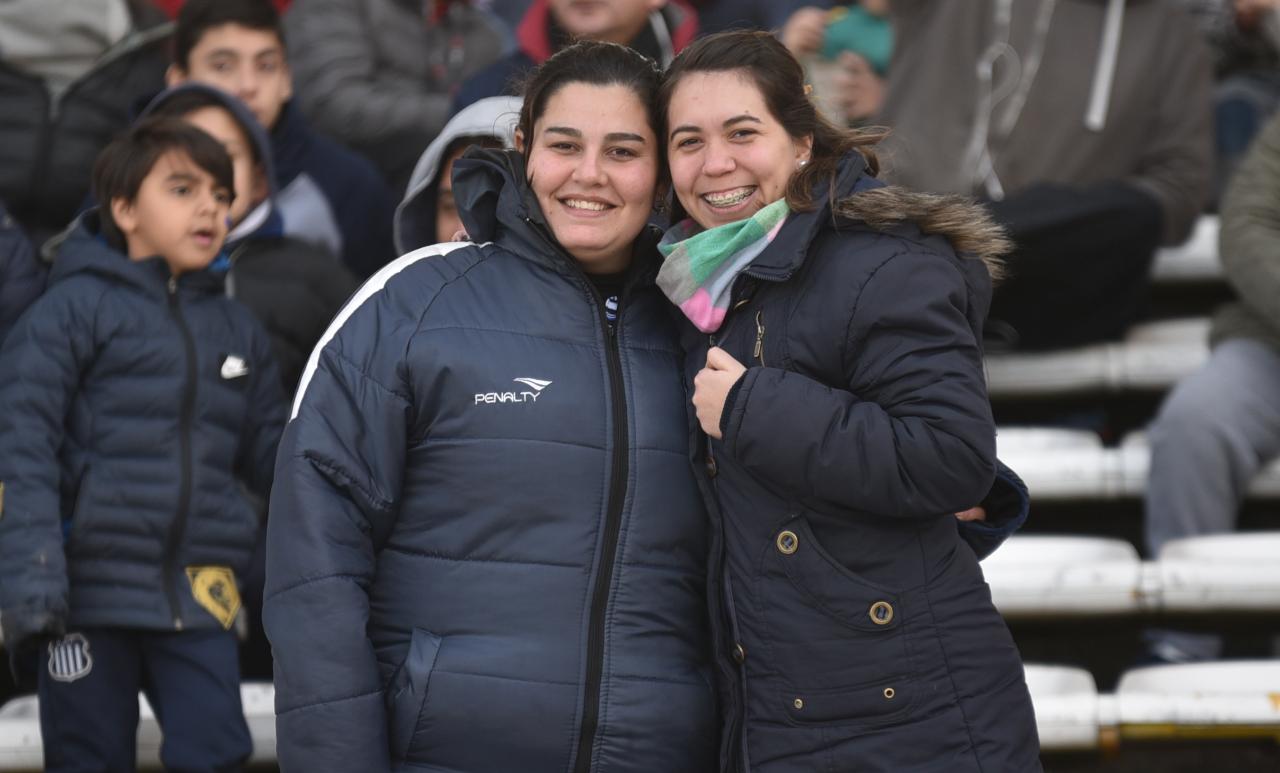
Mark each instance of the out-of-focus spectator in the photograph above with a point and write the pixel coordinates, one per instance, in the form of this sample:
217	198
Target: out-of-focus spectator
71	74
380	75
1087	125
846	52
721	15
1244	36
656	28
1218	428
21	275
172	7
137	400
428	214
294	288
328	195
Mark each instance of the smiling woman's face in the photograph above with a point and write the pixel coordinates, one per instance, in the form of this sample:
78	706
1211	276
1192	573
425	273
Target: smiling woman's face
729	155
593	165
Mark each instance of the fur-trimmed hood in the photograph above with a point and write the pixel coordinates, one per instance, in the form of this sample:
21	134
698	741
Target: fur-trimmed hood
964	222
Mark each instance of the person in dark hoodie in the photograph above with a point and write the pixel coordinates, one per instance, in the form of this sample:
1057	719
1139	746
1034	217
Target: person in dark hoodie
656	28
835	367
71	74
486	549
137	397
328	195
292	286
21	275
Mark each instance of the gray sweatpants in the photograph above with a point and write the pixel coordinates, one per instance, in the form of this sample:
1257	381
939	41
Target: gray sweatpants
1214	432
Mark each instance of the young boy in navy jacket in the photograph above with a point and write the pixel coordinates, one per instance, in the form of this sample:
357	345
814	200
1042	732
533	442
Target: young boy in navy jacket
137	396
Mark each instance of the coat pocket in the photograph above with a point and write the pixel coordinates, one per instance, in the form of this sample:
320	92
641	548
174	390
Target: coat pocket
836	642
406	694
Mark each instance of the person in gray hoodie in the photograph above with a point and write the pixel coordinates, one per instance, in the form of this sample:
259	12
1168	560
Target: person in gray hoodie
1085	123
428	215
1221	424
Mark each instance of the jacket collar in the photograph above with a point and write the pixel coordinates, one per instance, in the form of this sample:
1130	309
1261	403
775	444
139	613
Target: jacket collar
82	249
787	252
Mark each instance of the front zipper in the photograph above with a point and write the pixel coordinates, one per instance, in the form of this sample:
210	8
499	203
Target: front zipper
759	350
613	519
178	530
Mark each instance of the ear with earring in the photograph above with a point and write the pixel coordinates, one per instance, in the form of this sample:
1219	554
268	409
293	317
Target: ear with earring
802	163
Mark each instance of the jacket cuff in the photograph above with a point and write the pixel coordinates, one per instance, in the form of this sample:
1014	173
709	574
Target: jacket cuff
735	403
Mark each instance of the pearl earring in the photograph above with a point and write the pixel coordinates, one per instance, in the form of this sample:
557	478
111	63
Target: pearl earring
802	163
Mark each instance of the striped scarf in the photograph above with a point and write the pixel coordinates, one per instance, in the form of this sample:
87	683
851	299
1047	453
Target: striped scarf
700	266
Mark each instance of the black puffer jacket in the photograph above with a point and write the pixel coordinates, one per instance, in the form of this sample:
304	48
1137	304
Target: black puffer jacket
853	627
47	149
21	275
131	405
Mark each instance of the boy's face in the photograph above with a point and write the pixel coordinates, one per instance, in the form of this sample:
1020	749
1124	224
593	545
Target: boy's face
180	214
246	62
250	182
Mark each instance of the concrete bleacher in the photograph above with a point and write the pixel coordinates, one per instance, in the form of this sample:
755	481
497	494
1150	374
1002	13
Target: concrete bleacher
21	749
1067	464
1075	575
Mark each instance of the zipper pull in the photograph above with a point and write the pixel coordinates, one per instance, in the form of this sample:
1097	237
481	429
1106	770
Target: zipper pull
173	285
759	350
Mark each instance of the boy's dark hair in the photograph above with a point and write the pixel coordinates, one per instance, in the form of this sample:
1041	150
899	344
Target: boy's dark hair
189	100
199	16
123	165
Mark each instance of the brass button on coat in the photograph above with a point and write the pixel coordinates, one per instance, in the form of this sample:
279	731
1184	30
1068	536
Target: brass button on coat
787	542
799	704
881	613
739	654
889	692
712	467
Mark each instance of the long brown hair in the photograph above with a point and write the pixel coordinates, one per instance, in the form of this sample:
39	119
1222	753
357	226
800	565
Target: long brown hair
780	79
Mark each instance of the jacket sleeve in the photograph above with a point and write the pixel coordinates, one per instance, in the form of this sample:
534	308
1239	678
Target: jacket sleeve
264	421
1177	163
1007	504
21	275
910	433
44	357
335	63
1250	235
337	481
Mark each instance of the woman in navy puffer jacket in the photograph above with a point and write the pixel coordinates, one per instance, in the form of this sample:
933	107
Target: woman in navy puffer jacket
838	377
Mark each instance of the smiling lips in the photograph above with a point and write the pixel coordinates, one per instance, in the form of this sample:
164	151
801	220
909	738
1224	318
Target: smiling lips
729	198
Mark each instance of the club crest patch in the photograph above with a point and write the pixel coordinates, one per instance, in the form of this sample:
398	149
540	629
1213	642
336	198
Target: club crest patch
214	588
69	658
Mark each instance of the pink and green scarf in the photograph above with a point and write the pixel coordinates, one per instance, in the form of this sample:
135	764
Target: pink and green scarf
700	266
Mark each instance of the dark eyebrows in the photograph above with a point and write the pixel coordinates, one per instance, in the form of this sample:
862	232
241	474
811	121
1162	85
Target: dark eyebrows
737	119
562	130
623	137
181	177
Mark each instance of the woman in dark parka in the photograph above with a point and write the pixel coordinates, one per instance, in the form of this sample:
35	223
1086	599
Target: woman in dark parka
838	378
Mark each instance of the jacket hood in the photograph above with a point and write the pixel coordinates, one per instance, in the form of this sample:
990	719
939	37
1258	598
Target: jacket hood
82	249
415	218
859	197
263	219
674	25
497	205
